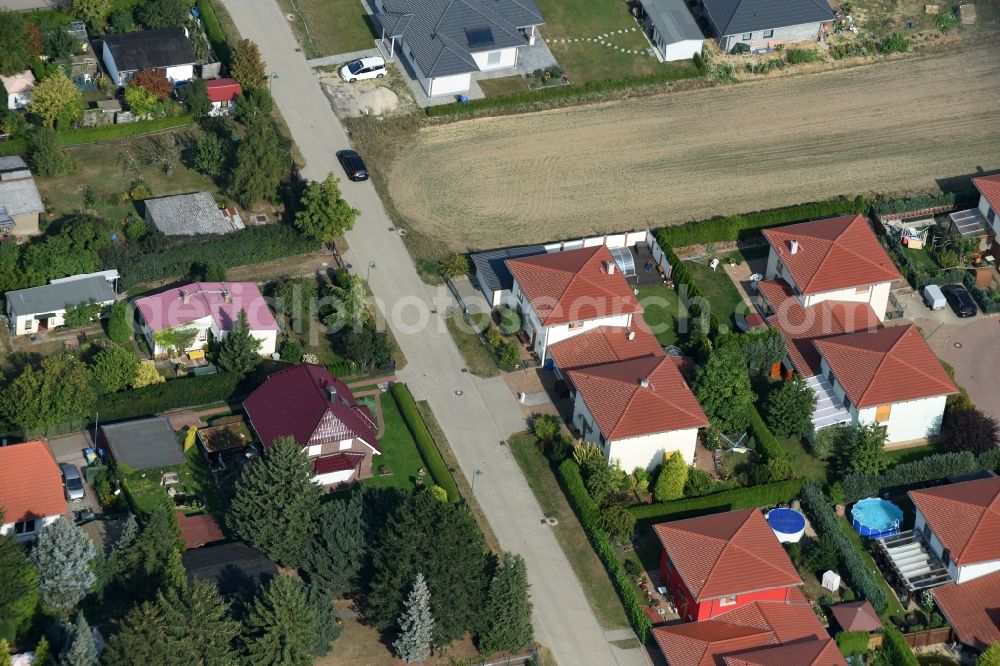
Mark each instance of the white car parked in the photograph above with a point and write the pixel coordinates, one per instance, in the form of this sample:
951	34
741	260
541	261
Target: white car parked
364	68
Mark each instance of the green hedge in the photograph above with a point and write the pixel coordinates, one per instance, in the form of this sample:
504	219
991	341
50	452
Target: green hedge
768	494
161	258
82	135
585	508
920	202
987	302
858	485
425	443
899	651
536	100
736	227
213	30
767	446
852	642
158	398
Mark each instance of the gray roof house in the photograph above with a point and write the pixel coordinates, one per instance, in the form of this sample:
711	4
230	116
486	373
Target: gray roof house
765	23
492	275
190	215
446	41
671	29
20	202
40	308
168	50
143	444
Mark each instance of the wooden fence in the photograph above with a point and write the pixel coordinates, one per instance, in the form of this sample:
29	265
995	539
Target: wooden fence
929	637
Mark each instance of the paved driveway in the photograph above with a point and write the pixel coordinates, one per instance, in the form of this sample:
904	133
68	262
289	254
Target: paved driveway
974	351
69	449
475	414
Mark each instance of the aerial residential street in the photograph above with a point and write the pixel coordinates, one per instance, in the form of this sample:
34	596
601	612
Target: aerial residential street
476	414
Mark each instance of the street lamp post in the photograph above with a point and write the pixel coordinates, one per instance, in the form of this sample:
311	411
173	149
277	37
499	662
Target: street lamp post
271	78
371	265
476	472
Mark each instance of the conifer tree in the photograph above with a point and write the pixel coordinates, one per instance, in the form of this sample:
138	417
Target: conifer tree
416	625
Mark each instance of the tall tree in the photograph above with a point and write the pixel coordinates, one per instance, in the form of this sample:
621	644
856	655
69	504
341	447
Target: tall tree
327	628
337	554
81	650
324	214
441	541
281	625
262	160
673	475
114	368
789	408
416	624
57	393
276	503
120	320
969	430
158	14
723	389
93	12
15	56
18	585
55	97
239	351
507	617
63	554
247	66
154	558
865	451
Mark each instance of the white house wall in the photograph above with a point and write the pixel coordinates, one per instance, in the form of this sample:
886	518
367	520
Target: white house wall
333	478
40	524
877	296
508	59
913	419
958	574
683	50
25	324
450	85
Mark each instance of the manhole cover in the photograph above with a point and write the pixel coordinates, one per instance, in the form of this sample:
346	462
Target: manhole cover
958	345
458	393
402	232
552	521
290	17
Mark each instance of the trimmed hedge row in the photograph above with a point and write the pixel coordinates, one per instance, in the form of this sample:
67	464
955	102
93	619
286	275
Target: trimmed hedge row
767	446
736	227
852	564
768	494
899	651
682	277
859	485
83	135
852	642
174	394
213	30
585	508
919	202
425	443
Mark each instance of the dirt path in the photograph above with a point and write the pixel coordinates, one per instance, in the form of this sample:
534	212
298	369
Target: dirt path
894	126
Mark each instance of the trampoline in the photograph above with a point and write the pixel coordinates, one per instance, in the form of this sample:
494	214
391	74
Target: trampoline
787	524
624	260
876	518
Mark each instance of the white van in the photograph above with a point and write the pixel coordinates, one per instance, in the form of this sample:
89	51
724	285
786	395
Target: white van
933	297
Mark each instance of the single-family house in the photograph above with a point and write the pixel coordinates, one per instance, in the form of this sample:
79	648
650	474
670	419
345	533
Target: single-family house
307	403
40	309
603	345
235	567
194	214
141	444
888	377
717	563
836	259
20	202
209	308
492	275
636	410
989	200
971	610
782	632
31	490
222	94
765	23
167	50
446	41
18	87
563	294
670	28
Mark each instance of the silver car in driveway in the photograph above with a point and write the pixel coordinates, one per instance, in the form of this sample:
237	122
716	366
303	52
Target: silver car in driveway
72	483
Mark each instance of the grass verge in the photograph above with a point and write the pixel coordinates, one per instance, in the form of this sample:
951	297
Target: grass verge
399	451
329	27
478	359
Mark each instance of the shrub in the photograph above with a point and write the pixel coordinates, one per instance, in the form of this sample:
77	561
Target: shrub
789	408
801	56
730	500
896	647
545	427
945	21
919	202
894	43
767	446
509	355
631	567
493	338
672	477
158	398
454	265
970	430
852	642
510	321
425	443
859	485
291	351
829	442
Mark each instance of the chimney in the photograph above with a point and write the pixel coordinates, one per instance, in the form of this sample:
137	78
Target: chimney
226	296
609	267
630	336
644	382
794	246
185	297
331	394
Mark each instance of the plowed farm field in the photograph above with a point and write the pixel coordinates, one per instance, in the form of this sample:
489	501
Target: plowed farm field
907	125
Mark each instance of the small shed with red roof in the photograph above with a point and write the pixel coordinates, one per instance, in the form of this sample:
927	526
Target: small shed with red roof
198	530
222	94
31	490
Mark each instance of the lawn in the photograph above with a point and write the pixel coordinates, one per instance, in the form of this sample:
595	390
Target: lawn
893	609
479	360
804	465
923	260
329	27
145	491
503	86
723	299
399	452
912	453
662	309
589	570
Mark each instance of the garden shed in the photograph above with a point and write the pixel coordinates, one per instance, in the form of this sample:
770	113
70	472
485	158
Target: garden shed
233	567
143	444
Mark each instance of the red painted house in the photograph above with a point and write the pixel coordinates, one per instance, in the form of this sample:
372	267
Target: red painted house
715	564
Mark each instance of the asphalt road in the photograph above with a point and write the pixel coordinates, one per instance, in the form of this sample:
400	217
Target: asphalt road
475	414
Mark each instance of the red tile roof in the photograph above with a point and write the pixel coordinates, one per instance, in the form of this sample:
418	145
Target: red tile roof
727	553
965	518
836	253
801	326
638	396
338	462
220	300
296	402
574	285
30	482
973	609
810	652
605	344
856	616
757	624
989	187
198	530
885	366
222	90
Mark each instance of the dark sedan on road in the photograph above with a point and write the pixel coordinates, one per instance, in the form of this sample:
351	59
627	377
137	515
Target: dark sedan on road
353	165
960	300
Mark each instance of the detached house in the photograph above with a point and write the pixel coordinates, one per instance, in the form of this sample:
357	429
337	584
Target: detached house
18	87
319	412
20	202
168	50
765	23
715	564
564	294
41	309
31	490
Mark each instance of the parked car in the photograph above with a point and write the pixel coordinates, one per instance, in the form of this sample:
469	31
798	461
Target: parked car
72	482
363	68
960	300
353	165
933	297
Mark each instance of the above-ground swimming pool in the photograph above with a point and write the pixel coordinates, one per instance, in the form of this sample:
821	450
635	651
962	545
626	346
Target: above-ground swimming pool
876	518
787	524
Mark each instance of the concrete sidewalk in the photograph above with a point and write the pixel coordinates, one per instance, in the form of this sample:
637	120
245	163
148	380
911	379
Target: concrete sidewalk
475	414
344	57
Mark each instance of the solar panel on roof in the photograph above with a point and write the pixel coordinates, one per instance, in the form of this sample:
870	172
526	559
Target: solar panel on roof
479	36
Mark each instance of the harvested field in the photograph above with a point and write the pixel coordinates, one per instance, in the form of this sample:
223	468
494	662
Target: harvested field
895	126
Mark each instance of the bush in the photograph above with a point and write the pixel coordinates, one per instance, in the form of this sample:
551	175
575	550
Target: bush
945	21
729	500
493	338
829	442
510	321
896	647
545	427
158	398
425	443
789	408
858	485
631	567
291	351
801	56
969	430
852	642
767	446
919	202
509	355
894	43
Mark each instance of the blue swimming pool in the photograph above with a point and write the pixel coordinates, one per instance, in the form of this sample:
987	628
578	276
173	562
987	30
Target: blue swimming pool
876	518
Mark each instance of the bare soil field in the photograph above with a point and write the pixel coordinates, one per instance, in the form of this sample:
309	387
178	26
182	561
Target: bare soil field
896	126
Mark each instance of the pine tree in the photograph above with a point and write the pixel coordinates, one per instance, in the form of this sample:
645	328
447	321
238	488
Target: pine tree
18	584
789	408
120	322
81	650
63	554
991	656
327	628
508	609
673	476
338	552
156	551
281	625
416	625
276	503
239	351
43	654
865	451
